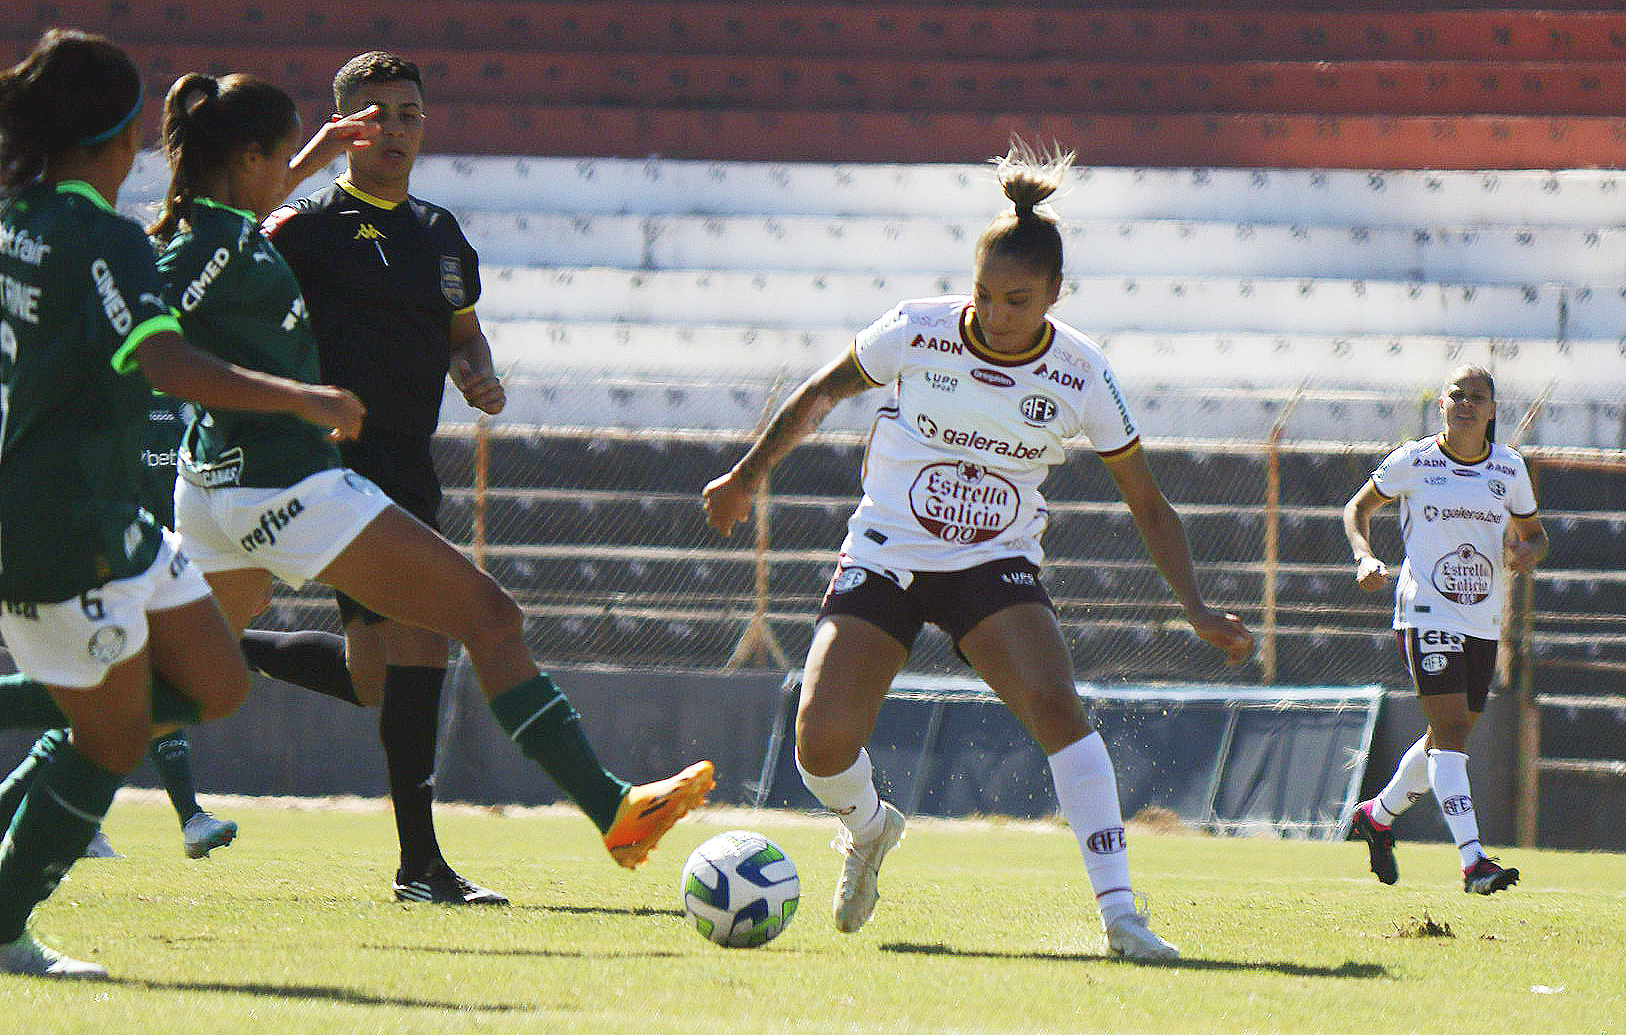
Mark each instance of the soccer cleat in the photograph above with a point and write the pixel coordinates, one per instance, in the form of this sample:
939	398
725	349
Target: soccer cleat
27	956
1380	843
203	833
101	848
860	885
648	811
1129	937
443	886
1486	878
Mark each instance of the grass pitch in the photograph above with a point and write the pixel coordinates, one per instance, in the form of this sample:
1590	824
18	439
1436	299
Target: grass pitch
982	927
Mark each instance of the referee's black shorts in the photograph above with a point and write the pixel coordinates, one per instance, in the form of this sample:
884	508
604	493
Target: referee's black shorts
401	465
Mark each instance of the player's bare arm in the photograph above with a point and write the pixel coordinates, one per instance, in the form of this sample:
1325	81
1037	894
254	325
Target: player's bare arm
728	499
1527	546
175	367
472	369
1165	537
340	133
1371	574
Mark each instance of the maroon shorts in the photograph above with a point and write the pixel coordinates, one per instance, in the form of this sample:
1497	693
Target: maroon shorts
1449	663
955	601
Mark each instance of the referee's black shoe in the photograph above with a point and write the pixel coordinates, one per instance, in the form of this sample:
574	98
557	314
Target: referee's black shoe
442	885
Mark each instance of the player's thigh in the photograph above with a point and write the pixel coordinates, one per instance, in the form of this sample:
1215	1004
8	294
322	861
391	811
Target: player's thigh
364	657
400	568
850	666
1020	653
240	593
196	648
111	722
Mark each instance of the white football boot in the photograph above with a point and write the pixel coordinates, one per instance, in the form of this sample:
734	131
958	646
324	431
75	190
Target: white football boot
27	956
859	886
1129	937
203	833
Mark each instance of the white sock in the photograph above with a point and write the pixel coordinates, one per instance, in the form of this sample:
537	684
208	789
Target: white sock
1087	791
1448	772
851	795
1408	784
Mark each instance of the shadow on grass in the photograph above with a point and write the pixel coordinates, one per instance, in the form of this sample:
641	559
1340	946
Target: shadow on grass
607	910
326	993
454	950
1349	969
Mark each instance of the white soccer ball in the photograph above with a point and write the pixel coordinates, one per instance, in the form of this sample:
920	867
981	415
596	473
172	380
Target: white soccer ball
740	889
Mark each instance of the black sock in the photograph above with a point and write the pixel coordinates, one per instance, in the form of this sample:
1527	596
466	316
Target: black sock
311	659
171	756
409	727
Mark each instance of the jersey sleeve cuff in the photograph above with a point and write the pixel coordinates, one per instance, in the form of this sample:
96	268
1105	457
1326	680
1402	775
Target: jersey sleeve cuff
465	309
1123	450
1379	490
860	364
124	359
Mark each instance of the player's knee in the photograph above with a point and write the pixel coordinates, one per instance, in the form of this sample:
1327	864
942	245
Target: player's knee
227	692
494	618
823	748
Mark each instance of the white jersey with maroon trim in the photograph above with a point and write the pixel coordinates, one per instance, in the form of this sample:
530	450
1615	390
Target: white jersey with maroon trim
957	455
1453	515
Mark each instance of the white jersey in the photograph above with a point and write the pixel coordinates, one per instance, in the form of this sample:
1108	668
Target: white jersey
957	454
1453	515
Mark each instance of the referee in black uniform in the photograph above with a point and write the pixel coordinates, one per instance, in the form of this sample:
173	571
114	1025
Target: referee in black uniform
391	283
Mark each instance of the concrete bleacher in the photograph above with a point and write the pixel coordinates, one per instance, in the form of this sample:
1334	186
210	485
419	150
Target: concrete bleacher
674	293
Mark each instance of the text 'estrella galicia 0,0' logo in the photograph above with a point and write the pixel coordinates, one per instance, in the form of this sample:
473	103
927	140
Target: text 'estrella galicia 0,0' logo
1039	409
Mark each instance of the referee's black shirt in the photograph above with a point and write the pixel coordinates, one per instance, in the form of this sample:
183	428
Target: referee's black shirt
382	281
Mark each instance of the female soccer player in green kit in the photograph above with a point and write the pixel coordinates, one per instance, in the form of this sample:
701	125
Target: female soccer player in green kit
259	496
98	601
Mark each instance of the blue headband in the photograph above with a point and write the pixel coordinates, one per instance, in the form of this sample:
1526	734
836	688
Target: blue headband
104	137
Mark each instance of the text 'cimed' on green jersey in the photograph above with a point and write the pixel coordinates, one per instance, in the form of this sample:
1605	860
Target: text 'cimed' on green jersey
78	294
238	300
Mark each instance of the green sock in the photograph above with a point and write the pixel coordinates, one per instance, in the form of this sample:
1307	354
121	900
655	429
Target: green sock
171	755
538	717
16	787
62	812
26	705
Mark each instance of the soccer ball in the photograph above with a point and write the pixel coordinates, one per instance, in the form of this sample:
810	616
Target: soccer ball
740	889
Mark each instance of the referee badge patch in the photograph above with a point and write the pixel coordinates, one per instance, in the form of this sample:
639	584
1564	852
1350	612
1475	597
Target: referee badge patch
451	281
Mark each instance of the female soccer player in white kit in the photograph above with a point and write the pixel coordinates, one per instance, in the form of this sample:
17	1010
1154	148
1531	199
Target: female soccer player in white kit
985	391
1468	516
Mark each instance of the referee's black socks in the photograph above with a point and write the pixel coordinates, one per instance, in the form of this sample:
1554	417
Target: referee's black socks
311	659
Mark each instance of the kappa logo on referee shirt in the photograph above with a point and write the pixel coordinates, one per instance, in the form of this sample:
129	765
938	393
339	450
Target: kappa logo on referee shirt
369	232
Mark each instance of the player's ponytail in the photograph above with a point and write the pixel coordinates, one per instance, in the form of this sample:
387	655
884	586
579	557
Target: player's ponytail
1029	233
74	90
207	122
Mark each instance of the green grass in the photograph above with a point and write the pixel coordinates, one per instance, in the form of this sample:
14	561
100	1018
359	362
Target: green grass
982	928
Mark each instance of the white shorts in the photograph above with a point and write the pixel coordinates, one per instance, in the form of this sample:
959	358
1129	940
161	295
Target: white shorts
73	643
293	533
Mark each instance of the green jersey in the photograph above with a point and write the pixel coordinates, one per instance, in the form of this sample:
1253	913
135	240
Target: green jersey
78	294
167	418
238	299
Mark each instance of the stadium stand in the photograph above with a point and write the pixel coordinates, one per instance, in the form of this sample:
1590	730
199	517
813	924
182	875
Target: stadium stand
682	207
1456	85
